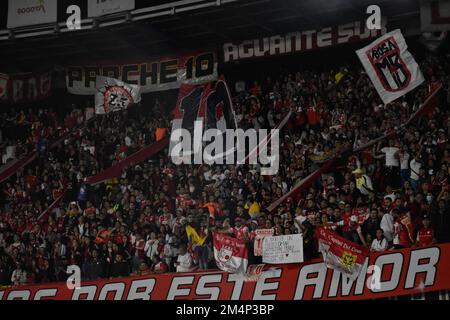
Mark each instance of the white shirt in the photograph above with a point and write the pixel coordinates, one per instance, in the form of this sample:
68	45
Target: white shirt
128	141
184	262
415	168
387	224
151	248
19	276
391	160
378	245
404	161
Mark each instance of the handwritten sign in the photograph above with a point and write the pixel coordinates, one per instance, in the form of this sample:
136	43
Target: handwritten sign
283	249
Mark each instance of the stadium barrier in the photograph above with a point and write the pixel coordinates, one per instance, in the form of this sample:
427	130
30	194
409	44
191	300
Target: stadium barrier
413	272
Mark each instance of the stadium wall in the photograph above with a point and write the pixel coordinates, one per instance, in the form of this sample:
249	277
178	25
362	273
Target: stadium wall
413	273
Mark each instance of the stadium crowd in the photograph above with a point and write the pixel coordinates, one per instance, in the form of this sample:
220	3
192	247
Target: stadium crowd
157	217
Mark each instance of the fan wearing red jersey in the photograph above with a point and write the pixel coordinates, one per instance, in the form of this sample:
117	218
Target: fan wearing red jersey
239	230
425	235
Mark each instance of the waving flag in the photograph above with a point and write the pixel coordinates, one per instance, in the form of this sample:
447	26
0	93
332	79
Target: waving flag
230	253
341	254
194	236
208	103
389	65
114	95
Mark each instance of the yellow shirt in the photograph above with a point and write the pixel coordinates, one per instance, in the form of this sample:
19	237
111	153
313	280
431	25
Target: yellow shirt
253	209
338	77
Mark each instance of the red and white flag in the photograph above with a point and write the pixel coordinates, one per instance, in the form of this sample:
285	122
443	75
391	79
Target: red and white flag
390	66
259	239
340	254
230	253
254	272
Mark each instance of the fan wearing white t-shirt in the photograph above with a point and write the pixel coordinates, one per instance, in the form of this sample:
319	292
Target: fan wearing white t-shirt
415	166
404	157
184	261
379	243
392	164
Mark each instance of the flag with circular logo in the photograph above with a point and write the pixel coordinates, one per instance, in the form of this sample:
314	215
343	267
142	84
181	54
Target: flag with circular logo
114	95
230	253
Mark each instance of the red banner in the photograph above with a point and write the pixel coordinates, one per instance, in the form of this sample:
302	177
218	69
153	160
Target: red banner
25	87
135	158
400	272
9	170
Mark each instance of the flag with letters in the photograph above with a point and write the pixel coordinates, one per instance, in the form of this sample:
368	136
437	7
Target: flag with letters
231	254
390	66
114	95
341	254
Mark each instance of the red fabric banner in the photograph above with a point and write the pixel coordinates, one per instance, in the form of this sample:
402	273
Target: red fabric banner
135	158
340	254
230	253
396	273
16	166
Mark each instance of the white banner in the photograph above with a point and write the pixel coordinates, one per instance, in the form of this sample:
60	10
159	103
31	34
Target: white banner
435	15
98	8
30	12
283	249
390	66
114	95
151	74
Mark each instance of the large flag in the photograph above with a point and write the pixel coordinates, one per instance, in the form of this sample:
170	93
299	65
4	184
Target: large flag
114	95
208	103
391	68
230	253
340	254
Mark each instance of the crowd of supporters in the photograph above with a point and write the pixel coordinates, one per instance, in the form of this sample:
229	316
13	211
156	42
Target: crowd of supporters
158	217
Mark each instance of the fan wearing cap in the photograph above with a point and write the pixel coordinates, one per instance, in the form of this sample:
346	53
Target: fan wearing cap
363	182
425	235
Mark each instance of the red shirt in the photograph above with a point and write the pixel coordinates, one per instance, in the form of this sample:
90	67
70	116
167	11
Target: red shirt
425	237
161	266
239	232
361	213
183	201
